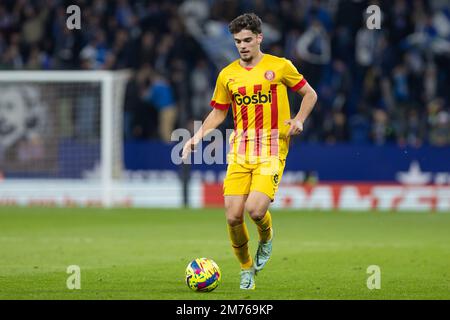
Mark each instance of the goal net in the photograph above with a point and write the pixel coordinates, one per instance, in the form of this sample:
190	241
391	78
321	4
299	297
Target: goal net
61	136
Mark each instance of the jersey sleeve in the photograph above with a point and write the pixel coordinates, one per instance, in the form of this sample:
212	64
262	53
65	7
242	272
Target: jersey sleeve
220	99
291	77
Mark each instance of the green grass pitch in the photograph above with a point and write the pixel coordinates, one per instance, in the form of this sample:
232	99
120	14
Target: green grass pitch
143	253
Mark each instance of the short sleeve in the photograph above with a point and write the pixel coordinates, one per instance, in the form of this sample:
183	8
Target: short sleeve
291	77
221	99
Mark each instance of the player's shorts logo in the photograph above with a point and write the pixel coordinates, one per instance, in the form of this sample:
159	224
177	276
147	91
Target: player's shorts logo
269	75
275	179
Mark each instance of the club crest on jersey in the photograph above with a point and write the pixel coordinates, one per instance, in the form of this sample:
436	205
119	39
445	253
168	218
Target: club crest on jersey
269	75
275	179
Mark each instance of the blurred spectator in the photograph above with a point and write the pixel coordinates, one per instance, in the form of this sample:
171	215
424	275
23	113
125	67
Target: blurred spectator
182	92
201	90
337	86
146	51
141	118
318	11
359	127
366	43
314	45
66	50
430	82
440	131
438	120
160	95
121	50
336	129
34	23
163	51
381	131
197	10
411	129
124	13
36	59
11	58
94	54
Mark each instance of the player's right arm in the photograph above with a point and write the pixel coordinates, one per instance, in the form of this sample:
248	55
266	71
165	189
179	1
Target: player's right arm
212	121
220	102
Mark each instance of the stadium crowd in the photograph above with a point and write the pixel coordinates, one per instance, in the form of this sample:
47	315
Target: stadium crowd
375	86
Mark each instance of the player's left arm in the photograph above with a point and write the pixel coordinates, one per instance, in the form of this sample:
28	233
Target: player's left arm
307	105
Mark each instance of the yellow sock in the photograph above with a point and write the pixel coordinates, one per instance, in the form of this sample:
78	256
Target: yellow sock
239	241
264	227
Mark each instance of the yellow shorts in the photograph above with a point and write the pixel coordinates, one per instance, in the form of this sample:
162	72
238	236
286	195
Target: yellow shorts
263	177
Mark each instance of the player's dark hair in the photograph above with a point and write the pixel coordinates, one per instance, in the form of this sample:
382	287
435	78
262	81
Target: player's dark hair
247	21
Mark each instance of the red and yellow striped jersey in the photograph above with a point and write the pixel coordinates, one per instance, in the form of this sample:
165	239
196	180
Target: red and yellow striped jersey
260	106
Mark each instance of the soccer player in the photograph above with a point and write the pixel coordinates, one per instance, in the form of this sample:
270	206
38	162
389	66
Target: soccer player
255	86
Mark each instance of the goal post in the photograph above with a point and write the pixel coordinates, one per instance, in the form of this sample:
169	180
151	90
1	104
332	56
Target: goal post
61	130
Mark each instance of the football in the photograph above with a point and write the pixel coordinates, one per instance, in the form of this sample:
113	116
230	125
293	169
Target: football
202	275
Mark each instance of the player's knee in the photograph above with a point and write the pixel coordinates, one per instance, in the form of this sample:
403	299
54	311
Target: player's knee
234	211
235	220
255	212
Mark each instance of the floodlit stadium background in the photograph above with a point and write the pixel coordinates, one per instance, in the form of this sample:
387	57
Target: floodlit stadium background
379	137
366	185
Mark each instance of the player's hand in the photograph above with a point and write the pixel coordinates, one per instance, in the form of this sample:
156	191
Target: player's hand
296	126
188	148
